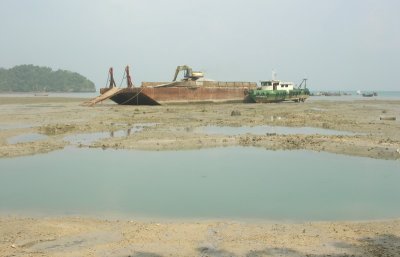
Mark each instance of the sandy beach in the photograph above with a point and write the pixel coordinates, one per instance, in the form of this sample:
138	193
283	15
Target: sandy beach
94	237
366	132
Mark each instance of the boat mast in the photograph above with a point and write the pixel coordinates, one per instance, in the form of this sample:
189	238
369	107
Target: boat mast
128	77
111	78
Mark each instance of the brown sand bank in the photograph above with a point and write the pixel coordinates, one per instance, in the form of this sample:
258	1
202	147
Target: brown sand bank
179	126
67	237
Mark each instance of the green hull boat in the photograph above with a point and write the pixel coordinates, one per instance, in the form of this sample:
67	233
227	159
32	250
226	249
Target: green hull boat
279	91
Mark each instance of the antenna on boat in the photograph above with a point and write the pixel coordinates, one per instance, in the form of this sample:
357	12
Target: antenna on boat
273	75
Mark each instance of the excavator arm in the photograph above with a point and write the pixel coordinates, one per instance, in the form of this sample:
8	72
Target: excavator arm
189	73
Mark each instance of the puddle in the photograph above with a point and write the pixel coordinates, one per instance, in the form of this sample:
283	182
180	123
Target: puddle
271	130
31	137
184	129
89	138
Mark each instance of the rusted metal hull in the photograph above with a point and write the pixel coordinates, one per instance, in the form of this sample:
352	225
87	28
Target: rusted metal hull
186	92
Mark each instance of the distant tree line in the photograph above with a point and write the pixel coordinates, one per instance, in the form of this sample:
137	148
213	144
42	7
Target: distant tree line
31	78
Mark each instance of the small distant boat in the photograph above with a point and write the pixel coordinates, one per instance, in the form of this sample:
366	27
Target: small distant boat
41	93
369	94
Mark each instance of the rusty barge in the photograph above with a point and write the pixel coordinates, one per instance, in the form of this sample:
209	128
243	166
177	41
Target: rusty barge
193	88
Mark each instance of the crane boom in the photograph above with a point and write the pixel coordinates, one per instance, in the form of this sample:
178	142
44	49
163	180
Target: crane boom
305	83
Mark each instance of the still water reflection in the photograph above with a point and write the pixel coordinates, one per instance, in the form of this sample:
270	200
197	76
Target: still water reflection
89	138
211	183
262	130
24	138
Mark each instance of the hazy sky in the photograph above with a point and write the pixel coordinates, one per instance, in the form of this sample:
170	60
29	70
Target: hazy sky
336	44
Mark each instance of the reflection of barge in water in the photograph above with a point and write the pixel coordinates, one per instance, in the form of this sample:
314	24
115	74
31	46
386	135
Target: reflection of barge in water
191	89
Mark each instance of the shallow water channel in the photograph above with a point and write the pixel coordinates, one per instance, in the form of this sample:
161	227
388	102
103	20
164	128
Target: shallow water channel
30	137
235	182
262	130
89	138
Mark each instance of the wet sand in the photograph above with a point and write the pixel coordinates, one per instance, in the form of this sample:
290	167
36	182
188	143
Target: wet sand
178	127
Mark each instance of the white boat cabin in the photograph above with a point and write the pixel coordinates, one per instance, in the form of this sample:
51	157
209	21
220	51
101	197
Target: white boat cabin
277	85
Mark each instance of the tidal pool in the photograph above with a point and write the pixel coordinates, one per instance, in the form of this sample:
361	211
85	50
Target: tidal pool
24	138
89	138
235	182
262	130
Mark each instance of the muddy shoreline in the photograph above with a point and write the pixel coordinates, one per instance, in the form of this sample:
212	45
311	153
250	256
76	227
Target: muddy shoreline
179	127
176	127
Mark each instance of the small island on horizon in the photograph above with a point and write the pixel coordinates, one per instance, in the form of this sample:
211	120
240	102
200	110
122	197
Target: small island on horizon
31	78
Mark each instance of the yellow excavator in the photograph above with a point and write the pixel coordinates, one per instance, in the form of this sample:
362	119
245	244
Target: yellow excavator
189	74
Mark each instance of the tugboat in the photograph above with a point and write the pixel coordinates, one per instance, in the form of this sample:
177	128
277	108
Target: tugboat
273	91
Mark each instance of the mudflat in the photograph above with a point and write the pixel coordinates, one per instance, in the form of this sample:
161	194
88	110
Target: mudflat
178	127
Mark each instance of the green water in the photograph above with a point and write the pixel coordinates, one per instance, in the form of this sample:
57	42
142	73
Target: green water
235	182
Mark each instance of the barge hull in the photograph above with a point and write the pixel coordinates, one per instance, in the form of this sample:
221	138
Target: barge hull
184	92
